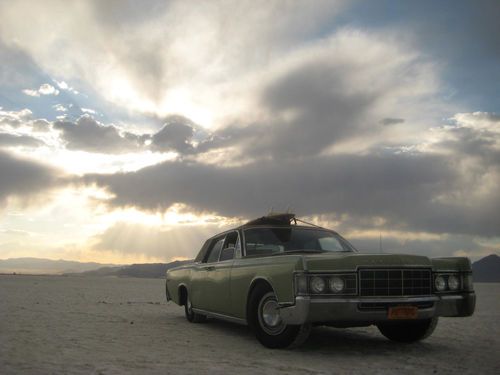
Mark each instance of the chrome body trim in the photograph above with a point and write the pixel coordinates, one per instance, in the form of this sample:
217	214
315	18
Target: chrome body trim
325	310
227	318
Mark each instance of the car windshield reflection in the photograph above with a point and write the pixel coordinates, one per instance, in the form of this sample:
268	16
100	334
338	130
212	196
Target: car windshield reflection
283	240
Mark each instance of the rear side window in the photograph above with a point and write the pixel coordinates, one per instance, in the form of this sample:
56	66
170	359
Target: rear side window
214	253
231	240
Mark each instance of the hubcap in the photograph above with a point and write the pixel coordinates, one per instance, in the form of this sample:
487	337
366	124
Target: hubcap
189	306
269	315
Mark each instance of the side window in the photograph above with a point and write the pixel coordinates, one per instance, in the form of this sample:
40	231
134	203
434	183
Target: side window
203	251
213	255
229	246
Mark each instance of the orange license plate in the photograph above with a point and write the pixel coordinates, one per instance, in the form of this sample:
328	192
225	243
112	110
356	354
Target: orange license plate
403	312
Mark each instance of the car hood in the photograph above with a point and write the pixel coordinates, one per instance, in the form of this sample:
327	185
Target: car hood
351	261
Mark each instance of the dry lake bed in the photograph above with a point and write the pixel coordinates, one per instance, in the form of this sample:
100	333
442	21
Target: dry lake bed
53	325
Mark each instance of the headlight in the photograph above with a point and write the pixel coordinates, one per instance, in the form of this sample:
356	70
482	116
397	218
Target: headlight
440	283
453	282
317	285
337	284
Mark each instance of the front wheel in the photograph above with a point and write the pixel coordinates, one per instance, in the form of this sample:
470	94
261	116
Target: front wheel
408	331
269	328
192	316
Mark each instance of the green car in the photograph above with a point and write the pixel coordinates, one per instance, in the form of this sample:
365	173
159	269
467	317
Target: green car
280	278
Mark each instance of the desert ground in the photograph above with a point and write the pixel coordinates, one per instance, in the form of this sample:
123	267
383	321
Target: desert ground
53	324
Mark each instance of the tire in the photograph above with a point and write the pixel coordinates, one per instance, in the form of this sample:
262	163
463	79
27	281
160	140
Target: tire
268	327
192	316
408	331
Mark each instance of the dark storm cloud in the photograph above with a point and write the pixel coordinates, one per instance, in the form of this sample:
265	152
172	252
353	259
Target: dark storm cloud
21	177
400	188
445	246
8	140
391	121
313	103
312	107
119	14
472	143
41	125
87	134
324	110
175	135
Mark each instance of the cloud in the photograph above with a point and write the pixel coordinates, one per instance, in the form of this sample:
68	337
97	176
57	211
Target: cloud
25	178
223	43
87	134
306	109
178	134
15	118
88	110
22	118
10	140
41	125
434	190
175	135
159	242
64	86
44	89
444	245
324	96
391	121
60	108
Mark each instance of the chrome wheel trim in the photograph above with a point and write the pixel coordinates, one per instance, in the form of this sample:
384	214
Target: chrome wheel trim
189	306
269	316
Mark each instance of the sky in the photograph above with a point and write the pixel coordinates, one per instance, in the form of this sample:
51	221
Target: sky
131	131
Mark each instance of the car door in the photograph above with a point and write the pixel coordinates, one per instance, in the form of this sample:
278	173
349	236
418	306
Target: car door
218	278
198	275
201	288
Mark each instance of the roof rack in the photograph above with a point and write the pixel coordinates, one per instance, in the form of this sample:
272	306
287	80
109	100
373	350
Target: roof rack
274	219
285	219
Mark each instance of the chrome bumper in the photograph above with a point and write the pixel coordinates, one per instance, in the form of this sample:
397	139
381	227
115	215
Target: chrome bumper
345	310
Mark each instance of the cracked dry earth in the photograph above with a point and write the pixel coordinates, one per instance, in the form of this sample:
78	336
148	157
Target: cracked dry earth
51	324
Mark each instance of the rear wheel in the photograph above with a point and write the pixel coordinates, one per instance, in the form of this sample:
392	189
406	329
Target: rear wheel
408	331
264	318
192	316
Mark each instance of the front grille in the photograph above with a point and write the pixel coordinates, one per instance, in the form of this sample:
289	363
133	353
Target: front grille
395	282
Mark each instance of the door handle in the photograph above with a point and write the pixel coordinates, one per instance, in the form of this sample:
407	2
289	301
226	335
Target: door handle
210	268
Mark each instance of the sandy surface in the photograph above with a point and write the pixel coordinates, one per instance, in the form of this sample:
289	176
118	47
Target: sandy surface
115	326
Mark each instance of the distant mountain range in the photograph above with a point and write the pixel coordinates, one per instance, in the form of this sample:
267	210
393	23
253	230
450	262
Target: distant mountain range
148	270
38	266
41	266
485	270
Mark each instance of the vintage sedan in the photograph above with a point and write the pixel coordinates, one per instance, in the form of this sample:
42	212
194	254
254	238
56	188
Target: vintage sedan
280	276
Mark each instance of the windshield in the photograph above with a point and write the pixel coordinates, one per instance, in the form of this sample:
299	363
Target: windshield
270	241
